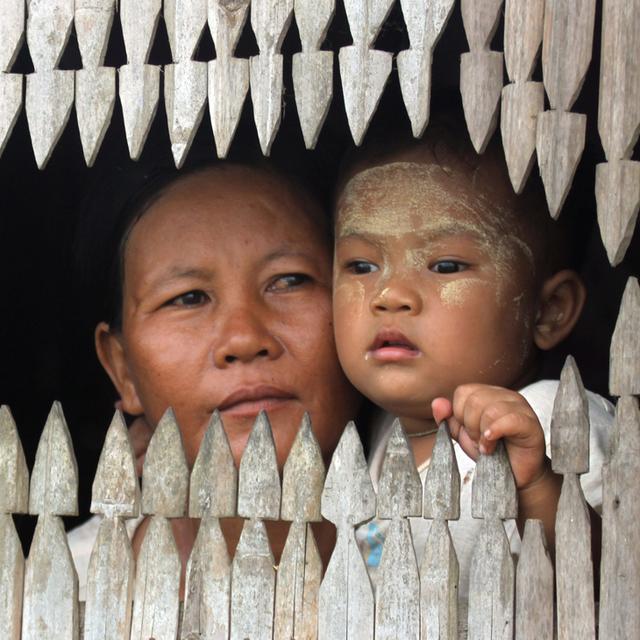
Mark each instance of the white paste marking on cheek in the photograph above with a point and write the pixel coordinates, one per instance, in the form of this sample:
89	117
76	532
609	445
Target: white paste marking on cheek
455	293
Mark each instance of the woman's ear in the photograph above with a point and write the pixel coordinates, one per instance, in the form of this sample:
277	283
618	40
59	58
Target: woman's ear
113	359
561	302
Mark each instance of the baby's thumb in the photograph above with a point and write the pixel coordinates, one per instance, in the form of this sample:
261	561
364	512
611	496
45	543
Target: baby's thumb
442	409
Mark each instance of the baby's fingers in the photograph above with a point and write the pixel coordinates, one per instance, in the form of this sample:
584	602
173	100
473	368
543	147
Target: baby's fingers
521	429
442	409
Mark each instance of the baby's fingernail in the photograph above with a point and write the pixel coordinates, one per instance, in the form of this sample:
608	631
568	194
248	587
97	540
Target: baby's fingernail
482	449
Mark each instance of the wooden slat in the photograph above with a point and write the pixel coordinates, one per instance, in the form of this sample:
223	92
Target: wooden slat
11	32
480	70
363	70
493	493
441	496
228	76
425	22
14	497
48	29
346	608
566	53
312	69
534	586
620	573
523	99
10	105
624	363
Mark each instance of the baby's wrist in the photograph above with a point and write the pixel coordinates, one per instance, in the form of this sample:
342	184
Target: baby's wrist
539	489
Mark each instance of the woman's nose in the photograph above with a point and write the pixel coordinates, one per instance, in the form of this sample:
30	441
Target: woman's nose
397	297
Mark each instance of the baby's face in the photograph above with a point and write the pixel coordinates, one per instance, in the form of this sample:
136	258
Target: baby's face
227	305
431	288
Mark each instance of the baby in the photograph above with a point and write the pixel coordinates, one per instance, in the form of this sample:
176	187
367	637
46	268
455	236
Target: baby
447	287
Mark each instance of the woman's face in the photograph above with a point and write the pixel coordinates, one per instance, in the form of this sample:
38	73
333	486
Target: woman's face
227	305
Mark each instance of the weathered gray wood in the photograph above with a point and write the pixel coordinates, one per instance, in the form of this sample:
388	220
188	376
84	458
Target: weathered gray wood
574	569
139	20
491	585
11	32
624	363
14	497
620	573
10	105
363	71
115	489
214	477
50	585
253	580
425	23
208	586
54	479
480	70
398	590
93	21
165	475
439	575
48	28
109	584
346	607
493	493
441	496
570	423
11	578
185	20
534	586
523	23
399	487
155	600
258	479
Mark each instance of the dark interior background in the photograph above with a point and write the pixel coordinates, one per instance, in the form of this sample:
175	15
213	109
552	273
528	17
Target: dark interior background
54	226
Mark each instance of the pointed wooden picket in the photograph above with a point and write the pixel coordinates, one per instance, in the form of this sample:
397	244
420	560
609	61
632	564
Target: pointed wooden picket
363	70
14	496
312	69
12	26
624	363
441	495
493	493
425	22
346	606
566	53
10	105
228	76
523	99
480	70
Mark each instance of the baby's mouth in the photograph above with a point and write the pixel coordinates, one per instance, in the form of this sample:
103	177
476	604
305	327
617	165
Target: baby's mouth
391	345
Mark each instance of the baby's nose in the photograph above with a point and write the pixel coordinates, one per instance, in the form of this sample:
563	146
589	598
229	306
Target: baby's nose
397	298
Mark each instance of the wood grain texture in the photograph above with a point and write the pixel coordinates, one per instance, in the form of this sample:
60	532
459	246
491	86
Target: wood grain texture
185	20
624	359
574	569
11	32
139	20
570	423
480	19
93	22
313	18
48	28
534	586
620	568
11	90
493	493
11	578
441	496
14	497
523	27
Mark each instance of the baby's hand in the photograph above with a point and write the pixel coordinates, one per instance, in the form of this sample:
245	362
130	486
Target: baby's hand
481	414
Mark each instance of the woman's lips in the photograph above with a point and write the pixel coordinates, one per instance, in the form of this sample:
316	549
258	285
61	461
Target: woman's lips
390	345
249	401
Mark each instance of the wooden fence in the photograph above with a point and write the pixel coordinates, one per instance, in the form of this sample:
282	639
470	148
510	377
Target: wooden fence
248	597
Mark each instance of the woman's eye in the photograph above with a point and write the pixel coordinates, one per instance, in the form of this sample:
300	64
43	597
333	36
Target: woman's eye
189	299
361	267
288	281
448	266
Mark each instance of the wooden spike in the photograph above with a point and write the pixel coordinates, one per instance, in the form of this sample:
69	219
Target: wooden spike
298	586
559	143
313	18
208	586
399	487
110	577
570	423
253	584
185	94
226	21
574	569
185	20
11	578
442	483
523	24
258	479
50	585
93	21
270	22
48	103
348	498
425	21
303	477
491	584
439	573
493	494
265	78
620	574
115	489
10	105
11	32
14	497
139	19
346	606
48	29
165	475
480	19
365	18
398	590
214	478
155	601
566	49
618	199
534	586
624	363
54	479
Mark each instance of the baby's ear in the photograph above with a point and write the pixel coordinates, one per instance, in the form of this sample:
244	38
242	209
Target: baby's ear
113	358
561	300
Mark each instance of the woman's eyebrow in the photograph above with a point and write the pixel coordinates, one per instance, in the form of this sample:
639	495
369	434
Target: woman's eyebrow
286	252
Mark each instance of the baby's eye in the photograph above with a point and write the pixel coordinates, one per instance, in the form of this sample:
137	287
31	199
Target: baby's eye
448	266
361	267
189	299
288	281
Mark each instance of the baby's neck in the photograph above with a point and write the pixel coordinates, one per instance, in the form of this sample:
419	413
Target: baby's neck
422	437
